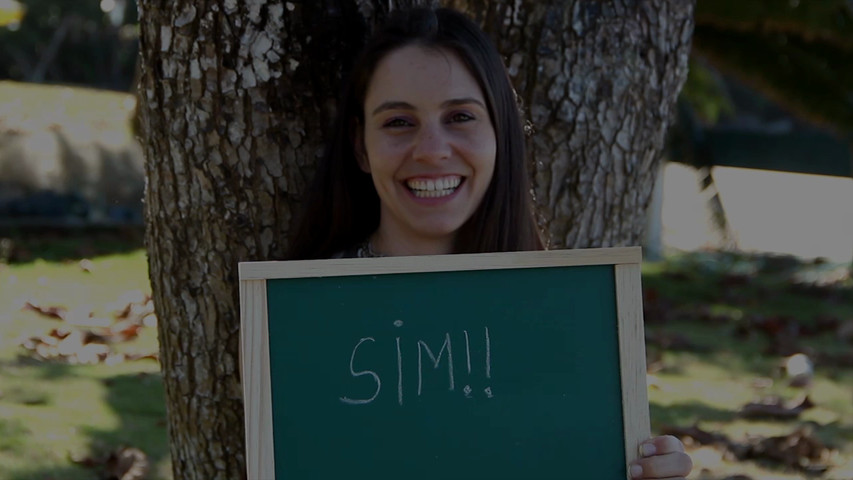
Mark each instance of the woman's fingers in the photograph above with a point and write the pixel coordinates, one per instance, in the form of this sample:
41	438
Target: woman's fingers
661	445
669	466
662	458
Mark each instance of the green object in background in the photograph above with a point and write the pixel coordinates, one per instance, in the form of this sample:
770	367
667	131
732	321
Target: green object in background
814	153
476	374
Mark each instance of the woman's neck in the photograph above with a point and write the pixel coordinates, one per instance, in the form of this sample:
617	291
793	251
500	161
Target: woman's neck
395	244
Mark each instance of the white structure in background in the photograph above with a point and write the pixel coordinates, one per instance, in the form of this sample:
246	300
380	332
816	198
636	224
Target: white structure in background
808	216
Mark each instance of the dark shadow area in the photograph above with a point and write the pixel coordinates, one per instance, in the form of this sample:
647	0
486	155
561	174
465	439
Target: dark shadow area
13	434
45	370
26	244
835	430
688	413
138	400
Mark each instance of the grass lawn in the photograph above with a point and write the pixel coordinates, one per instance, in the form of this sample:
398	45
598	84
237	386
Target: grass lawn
53	412
709	354
709	319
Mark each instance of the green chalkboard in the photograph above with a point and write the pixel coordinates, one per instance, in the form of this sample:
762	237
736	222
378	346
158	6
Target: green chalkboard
498	373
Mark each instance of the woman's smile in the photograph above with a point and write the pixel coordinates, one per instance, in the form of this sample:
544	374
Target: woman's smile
439	187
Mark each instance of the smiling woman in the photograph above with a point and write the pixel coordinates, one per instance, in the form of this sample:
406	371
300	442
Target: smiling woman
428	152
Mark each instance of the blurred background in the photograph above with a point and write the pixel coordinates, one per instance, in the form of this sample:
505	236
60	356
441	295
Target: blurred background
750	238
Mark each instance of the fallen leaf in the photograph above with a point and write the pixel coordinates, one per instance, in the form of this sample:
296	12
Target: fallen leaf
148	356
83	346
122	464
59	333
124	312
127	464
776	407
800	449
57	313
86	265
87	461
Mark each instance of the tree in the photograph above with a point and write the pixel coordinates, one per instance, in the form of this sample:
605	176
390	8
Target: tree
796	53
55	41
235	101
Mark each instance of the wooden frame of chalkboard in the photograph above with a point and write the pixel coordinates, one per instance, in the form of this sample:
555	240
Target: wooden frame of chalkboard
269	404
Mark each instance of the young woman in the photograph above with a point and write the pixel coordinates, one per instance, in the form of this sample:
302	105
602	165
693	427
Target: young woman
428	158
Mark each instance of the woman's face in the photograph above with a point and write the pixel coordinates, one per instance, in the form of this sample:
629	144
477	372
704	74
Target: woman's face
429	144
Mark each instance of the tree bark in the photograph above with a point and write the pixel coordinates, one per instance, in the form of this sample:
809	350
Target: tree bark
599	81
236	98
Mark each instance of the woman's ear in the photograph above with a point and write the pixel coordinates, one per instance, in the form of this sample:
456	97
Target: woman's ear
358	148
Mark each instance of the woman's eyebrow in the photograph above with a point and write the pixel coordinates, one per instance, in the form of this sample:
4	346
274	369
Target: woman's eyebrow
393	105
400	105
462	101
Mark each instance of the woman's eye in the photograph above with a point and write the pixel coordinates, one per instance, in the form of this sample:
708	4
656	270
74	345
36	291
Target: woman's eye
396	122
461	117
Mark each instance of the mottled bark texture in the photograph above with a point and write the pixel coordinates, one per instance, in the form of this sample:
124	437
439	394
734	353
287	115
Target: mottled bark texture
599	81
236	99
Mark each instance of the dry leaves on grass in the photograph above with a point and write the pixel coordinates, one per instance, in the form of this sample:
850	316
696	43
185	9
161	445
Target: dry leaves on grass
89	345
801	449
54	312
776	407
77	347
123	464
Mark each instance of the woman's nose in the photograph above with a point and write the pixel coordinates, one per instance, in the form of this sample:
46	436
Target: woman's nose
432	144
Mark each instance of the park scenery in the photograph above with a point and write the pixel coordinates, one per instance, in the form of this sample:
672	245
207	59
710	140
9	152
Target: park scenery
120	238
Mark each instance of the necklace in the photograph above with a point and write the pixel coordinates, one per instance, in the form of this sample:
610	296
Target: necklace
366	250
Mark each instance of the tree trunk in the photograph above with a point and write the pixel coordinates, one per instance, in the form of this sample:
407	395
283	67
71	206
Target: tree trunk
599	81
235	99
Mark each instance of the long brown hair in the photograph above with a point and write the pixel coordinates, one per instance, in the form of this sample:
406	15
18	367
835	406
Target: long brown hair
342	207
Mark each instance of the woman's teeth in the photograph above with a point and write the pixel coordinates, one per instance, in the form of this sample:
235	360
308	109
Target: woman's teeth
434	188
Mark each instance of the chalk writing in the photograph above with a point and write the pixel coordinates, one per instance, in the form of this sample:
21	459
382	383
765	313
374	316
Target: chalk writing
424	350
488	355
364	372
399	372
435	360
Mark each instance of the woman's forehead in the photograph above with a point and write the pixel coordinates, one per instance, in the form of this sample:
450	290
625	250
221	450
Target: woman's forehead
423	74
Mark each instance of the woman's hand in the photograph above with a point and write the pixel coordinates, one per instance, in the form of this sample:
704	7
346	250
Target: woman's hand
662	458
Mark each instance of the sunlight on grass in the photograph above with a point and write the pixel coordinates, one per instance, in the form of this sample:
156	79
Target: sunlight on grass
51	412
67	285
723	309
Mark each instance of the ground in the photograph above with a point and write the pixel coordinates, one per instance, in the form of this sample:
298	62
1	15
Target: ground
719	327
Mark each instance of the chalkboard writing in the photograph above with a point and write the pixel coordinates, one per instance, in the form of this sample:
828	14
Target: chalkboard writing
401	369
435	361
